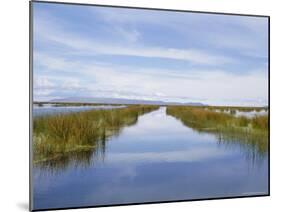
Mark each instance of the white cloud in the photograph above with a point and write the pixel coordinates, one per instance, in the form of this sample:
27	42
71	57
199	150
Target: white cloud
190	55
72	84
130	36
42	82
48	87
214	85
248	35
197	85
83	46
53	63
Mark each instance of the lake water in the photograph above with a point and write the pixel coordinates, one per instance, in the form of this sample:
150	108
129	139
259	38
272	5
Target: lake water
252	114
248	114
157	159
50	109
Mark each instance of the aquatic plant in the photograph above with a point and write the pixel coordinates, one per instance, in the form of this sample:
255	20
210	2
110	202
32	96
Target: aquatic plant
57	135
227	127
234	109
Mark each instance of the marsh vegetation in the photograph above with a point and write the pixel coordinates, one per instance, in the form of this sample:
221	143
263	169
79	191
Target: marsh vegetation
68	104
235	108
249	132
62	134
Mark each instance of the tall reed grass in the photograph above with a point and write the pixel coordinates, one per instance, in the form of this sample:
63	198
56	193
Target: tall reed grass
56	135
228	127
235	108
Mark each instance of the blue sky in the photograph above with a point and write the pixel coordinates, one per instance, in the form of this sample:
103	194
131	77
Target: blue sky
82	51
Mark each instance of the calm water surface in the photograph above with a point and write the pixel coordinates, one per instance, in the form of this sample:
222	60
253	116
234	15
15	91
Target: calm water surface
252	113
50	109
157	159
248	114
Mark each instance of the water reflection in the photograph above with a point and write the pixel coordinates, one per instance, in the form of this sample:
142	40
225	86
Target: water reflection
75	159
254	148
51	109
83	158
238	113
253	145
156	158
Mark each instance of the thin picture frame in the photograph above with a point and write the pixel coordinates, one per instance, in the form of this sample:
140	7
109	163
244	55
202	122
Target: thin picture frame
31	40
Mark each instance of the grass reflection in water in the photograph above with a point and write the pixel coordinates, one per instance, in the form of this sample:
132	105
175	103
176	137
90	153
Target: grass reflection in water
250	134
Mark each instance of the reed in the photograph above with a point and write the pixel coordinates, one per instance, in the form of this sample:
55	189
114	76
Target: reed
67	104
235	108
226	126
199	117
57	135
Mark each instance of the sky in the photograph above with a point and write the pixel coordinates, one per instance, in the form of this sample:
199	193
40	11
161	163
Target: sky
89	51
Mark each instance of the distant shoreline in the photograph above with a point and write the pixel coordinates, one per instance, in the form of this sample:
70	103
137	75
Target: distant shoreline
74	103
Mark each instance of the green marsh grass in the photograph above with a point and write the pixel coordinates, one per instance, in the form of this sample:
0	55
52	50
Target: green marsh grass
248	132
74	104
55	136
234	109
